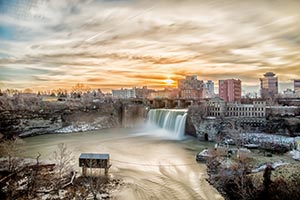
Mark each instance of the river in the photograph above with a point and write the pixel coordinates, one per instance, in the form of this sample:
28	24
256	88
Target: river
151	165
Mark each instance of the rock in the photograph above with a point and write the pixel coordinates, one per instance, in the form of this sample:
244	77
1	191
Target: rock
59	117
295	154
104	196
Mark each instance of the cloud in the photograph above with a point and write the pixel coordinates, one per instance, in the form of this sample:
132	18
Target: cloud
126	43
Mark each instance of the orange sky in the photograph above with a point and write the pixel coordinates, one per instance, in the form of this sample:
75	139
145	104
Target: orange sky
124	43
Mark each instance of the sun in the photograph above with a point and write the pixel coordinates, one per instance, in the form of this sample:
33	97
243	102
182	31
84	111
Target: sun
169	81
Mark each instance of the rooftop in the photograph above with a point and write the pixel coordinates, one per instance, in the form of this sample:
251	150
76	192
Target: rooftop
94	156
269	74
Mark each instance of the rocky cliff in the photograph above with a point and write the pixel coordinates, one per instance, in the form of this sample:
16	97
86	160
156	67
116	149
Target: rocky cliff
287	125
31	116
133	115
207	128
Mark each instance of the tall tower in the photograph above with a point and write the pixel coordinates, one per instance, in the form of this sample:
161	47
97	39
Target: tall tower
268	85
230	90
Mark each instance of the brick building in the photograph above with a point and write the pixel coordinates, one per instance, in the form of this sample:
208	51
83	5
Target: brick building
230	90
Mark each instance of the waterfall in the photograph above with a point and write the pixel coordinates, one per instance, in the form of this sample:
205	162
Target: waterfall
171	120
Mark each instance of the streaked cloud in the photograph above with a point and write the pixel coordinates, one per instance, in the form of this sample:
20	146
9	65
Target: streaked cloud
125	43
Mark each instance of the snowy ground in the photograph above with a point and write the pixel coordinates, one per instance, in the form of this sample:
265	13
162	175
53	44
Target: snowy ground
259	138
78	128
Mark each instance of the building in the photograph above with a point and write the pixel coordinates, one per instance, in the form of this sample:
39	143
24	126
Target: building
257	109
268	85
190	82
237	114
123	93
191	93
92	160
210	85
230	90
218	107
131	93
215	107
191	88
142	92
297	86
209	89
164	94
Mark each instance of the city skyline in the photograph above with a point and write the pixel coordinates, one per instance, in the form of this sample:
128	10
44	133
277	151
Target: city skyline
124	43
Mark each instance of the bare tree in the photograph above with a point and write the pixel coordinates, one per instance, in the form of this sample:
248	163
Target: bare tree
63	158
11	149
242	180
33	179
237	136
235	180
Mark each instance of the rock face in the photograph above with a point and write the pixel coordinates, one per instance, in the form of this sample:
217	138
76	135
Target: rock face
207	128
29	123
289	126
101	116
57	117
193	119
201	126
133	115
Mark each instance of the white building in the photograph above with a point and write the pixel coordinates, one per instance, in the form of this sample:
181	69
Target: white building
257	109
123	93
131	93
220	108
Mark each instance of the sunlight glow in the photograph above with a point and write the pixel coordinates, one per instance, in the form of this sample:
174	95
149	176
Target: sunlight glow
169	81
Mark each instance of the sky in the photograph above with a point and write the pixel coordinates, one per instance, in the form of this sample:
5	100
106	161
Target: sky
110	44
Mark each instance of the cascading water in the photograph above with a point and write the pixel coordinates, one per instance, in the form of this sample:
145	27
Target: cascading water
171	120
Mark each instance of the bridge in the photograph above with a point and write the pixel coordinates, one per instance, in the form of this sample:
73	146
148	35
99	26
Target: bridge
184	103
173	103
164	102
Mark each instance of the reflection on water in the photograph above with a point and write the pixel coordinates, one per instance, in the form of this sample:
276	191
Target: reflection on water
152	167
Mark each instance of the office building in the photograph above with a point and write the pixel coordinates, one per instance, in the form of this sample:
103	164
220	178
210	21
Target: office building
230	90
269	85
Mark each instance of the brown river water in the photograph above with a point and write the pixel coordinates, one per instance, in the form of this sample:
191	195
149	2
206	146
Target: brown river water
151	165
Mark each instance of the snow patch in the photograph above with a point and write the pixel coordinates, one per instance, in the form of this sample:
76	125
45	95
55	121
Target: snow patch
295	154
274	165
78	128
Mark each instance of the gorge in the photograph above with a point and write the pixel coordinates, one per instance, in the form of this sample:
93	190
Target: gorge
150	149
153	160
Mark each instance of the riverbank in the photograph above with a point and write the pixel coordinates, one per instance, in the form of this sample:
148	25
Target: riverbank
37	179
29	116
150	166
254	175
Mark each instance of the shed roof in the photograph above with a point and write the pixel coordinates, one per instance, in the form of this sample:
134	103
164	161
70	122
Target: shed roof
94	156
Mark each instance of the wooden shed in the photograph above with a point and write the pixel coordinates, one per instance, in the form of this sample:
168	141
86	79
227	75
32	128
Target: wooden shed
92	160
